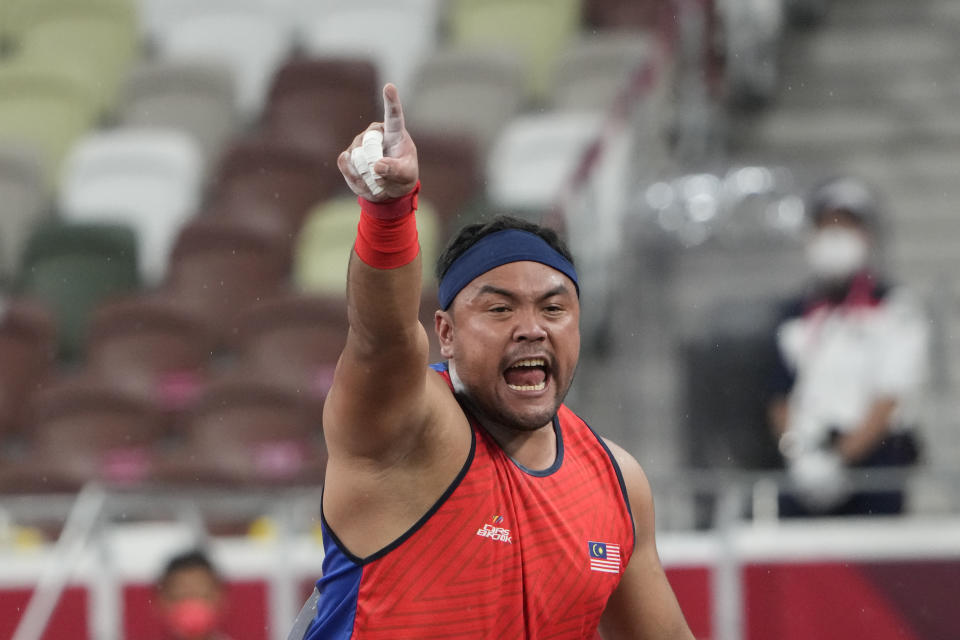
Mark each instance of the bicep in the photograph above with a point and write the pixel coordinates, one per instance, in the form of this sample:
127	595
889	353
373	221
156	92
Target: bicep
643	605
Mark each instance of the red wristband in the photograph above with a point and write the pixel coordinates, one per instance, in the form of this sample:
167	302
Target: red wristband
387	232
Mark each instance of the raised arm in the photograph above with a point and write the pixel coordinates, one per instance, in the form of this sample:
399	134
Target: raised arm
643	606
378	402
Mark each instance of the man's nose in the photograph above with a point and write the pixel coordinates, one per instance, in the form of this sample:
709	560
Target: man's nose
529	327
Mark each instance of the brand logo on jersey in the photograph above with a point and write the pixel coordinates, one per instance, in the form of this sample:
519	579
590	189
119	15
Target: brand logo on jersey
494	532
604	557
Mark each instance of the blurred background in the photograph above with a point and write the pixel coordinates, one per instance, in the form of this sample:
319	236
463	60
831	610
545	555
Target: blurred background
174	236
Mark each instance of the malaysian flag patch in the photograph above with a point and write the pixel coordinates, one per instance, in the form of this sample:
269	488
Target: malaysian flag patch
604	557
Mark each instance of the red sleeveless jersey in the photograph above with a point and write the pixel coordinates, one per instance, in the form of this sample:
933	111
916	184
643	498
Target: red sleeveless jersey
506	552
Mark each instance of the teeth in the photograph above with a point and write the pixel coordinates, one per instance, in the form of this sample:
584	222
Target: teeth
528	387
532	362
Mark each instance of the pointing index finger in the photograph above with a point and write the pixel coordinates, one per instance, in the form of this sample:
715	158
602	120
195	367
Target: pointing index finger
392	111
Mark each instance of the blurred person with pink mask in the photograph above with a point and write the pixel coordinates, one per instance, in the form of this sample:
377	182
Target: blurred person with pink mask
852	360
191	598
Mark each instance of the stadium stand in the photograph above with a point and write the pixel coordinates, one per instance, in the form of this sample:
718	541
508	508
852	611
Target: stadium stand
628	15
27	359
294	341
148	179
218	268
271	182
244	431
71	267
533	30
318	104
95	41
25	203
394	34
451	165
471	92
80	430
593	71
250	39
149	346
45	109
534	157
196	98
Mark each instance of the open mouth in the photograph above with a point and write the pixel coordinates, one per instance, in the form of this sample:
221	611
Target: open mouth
529	374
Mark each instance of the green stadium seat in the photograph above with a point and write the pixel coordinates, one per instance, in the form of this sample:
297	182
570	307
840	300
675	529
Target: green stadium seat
45	109
534	30
72	268
96	44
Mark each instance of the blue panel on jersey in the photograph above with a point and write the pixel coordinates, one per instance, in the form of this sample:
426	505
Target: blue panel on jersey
439	366
338	588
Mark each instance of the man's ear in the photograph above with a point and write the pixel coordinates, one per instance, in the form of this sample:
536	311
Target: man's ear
443	325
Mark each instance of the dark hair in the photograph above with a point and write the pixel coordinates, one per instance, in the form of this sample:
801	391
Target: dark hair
192	559
473	233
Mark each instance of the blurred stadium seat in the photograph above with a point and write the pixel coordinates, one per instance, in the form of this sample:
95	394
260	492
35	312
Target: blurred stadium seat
595	69
149	346
625	14
450	170
246	431
20	15
266	178
535	155
95	41
249	38
533	30
149	179
81	429
320	104
196	98
294	341
28	342
72	267
393	34
46	109
472	92
24	198
218	268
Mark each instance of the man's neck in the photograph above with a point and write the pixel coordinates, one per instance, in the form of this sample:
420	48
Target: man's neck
533	449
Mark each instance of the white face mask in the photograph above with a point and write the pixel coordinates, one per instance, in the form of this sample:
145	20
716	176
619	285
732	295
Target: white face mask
836	253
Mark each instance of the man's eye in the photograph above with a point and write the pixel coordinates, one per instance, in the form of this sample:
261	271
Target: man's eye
499	309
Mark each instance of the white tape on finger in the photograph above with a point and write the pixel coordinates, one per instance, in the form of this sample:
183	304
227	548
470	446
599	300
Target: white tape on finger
359	161
372	146
362	166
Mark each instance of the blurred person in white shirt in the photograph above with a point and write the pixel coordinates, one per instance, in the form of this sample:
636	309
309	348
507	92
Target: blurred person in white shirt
852	362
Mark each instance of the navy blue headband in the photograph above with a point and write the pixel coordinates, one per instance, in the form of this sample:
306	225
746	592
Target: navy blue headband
499	248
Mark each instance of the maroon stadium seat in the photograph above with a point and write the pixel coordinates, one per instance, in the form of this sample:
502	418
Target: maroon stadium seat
82	429
27	352
219	268
245	430
321	104
264	178
150	346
